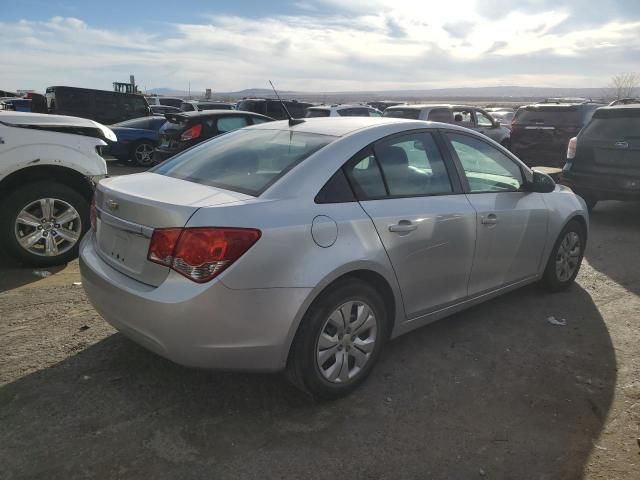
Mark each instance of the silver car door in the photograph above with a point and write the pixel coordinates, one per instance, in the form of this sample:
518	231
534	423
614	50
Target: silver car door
426	224
511	223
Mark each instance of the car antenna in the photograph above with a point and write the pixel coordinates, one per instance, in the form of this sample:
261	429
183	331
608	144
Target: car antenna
292	121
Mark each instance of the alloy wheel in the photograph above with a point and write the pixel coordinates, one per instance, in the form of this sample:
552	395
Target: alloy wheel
48	227
568	256
346	342
143	154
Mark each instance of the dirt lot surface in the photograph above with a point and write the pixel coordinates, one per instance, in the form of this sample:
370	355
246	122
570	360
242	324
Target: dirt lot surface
494	392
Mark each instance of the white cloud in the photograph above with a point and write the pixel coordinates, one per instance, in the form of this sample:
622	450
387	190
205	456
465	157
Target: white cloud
393	44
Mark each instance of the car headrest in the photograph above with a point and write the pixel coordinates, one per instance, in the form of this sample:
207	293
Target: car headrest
394	157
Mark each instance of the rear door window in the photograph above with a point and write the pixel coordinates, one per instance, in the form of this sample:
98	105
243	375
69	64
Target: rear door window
413	166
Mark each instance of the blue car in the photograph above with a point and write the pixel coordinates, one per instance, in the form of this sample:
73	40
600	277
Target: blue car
136	139
17	104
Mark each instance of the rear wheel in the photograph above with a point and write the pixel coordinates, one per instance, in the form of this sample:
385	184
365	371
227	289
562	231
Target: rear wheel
142	153
566	257
42	223
339	340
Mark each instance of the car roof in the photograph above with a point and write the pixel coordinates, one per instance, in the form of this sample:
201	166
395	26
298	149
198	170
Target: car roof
342	126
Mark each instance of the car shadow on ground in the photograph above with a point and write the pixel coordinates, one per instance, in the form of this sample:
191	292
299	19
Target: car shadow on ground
615	231
495	391
14	274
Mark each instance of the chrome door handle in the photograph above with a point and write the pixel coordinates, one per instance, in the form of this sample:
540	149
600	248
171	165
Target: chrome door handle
490	219
403	226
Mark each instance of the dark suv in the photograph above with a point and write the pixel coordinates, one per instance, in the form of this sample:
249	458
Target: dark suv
186	129
273	108
540	133
603	161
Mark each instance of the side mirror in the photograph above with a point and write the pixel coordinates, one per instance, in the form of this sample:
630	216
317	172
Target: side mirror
496	124
541	183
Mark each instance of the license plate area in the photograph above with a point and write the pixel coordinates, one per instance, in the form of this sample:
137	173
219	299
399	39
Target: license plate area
123	250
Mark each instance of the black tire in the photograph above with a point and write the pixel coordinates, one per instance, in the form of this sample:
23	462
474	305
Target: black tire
590	199
302	368
551	278
135	155
19	198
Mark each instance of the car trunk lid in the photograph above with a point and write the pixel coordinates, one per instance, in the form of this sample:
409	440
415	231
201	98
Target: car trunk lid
130	207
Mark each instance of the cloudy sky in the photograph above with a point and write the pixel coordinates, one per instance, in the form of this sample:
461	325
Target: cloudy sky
323	45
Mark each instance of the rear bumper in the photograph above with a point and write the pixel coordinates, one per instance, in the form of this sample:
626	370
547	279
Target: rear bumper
602	187
208	326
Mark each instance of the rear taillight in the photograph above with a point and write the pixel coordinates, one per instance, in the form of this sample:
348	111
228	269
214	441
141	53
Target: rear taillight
571	149
191	133
200	254
93	215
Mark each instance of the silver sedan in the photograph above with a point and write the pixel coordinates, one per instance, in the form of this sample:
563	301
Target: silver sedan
306	247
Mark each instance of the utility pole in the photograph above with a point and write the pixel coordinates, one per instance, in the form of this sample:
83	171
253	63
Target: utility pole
189	89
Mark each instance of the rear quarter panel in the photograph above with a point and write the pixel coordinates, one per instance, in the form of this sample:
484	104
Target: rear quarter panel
286	255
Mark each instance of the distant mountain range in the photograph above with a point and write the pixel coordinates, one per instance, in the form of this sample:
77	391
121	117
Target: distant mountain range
499	93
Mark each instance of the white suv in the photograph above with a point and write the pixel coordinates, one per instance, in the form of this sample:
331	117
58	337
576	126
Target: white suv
342	111
48	167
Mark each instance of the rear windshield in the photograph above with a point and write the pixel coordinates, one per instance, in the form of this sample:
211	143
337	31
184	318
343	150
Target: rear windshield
317	112
548	116
246	161
613	128
408	113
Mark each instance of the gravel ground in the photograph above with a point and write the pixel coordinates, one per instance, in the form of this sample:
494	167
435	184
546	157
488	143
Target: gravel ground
493	392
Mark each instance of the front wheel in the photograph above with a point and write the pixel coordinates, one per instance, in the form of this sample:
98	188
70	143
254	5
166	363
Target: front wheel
339	340
566	257
42	223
